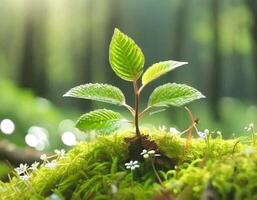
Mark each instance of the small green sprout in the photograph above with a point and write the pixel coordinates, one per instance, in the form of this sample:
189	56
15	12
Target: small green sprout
127	61
251	128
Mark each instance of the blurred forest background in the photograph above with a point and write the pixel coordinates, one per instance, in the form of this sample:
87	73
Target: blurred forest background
49	46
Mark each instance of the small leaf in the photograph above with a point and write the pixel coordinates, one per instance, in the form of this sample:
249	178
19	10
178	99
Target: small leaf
173	94
101	120
98	92
159	69
126	58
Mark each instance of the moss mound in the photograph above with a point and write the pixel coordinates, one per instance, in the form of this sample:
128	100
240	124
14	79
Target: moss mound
218	169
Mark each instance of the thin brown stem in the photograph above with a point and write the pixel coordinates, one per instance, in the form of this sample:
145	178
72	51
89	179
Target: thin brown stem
136	108
144	111
141	88
131	110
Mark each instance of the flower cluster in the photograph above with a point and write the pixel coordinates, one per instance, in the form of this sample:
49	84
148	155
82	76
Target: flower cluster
24	171
250	127
149	154
204	134
162	128
173	131
59	153
49	164
132	165
52	164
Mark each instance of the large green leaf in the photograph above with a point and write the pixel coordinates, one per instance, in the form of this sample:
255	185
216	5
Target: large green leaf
173	94
101	120
98	92
126	58
159	69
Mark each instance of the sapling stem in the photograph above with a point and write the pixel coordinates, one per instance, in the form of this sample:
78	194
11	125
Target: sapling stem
137	94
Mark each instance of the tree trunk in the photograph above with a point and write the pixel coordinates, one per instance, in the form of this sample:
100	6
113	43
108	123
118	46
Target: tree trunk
87	55
180	30
41	50
27	69
33	72
252	4
215	72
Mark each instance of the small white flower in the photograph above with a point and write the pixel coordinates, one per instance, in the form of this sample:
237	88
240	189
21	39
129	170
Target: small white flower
162	128
24	177
132	165
43	157
34	166
59	153
114	188
146	154
151	152
218	133
21	169
202	135
250	127
143	152
174	131
206	131
51	164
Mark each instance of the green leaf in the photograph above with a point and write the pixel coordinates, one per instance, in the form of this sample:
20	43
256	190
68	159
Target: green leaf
101	120
98	92
172	94
159	69
126	58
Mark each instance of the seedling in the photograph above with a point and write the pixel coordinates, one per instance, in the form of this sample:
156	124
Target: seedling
127	61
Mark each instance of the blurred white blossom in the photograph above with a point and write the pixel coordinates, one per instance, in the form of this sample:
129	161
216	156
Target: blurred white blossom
132	165
162	128
34	166
21	169
151	153
43	157
51	164
59	153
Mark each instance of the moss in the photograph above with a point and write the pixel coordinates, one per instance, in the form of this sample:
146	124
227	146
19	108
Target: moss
96	170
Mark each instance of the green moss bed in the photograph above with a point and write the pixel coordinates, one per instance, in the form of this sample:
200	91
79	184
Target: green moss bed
196	169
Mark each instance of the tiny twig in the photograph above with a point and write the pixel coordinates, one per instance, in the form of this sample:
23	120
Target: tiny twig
157	111
144	111
194	122
131	110
234	147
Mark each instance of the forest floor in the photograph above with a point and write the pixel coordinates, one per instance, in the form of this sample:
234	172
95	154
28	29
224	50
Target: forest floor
209	168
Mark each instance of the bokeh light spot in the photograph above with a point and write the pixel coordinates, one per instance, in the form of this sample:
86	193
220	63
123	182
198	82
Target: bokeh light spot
7	126
69	138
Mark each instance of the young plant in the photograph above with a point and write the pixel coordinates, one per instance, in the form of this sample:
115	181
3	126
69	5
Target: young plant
127	61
